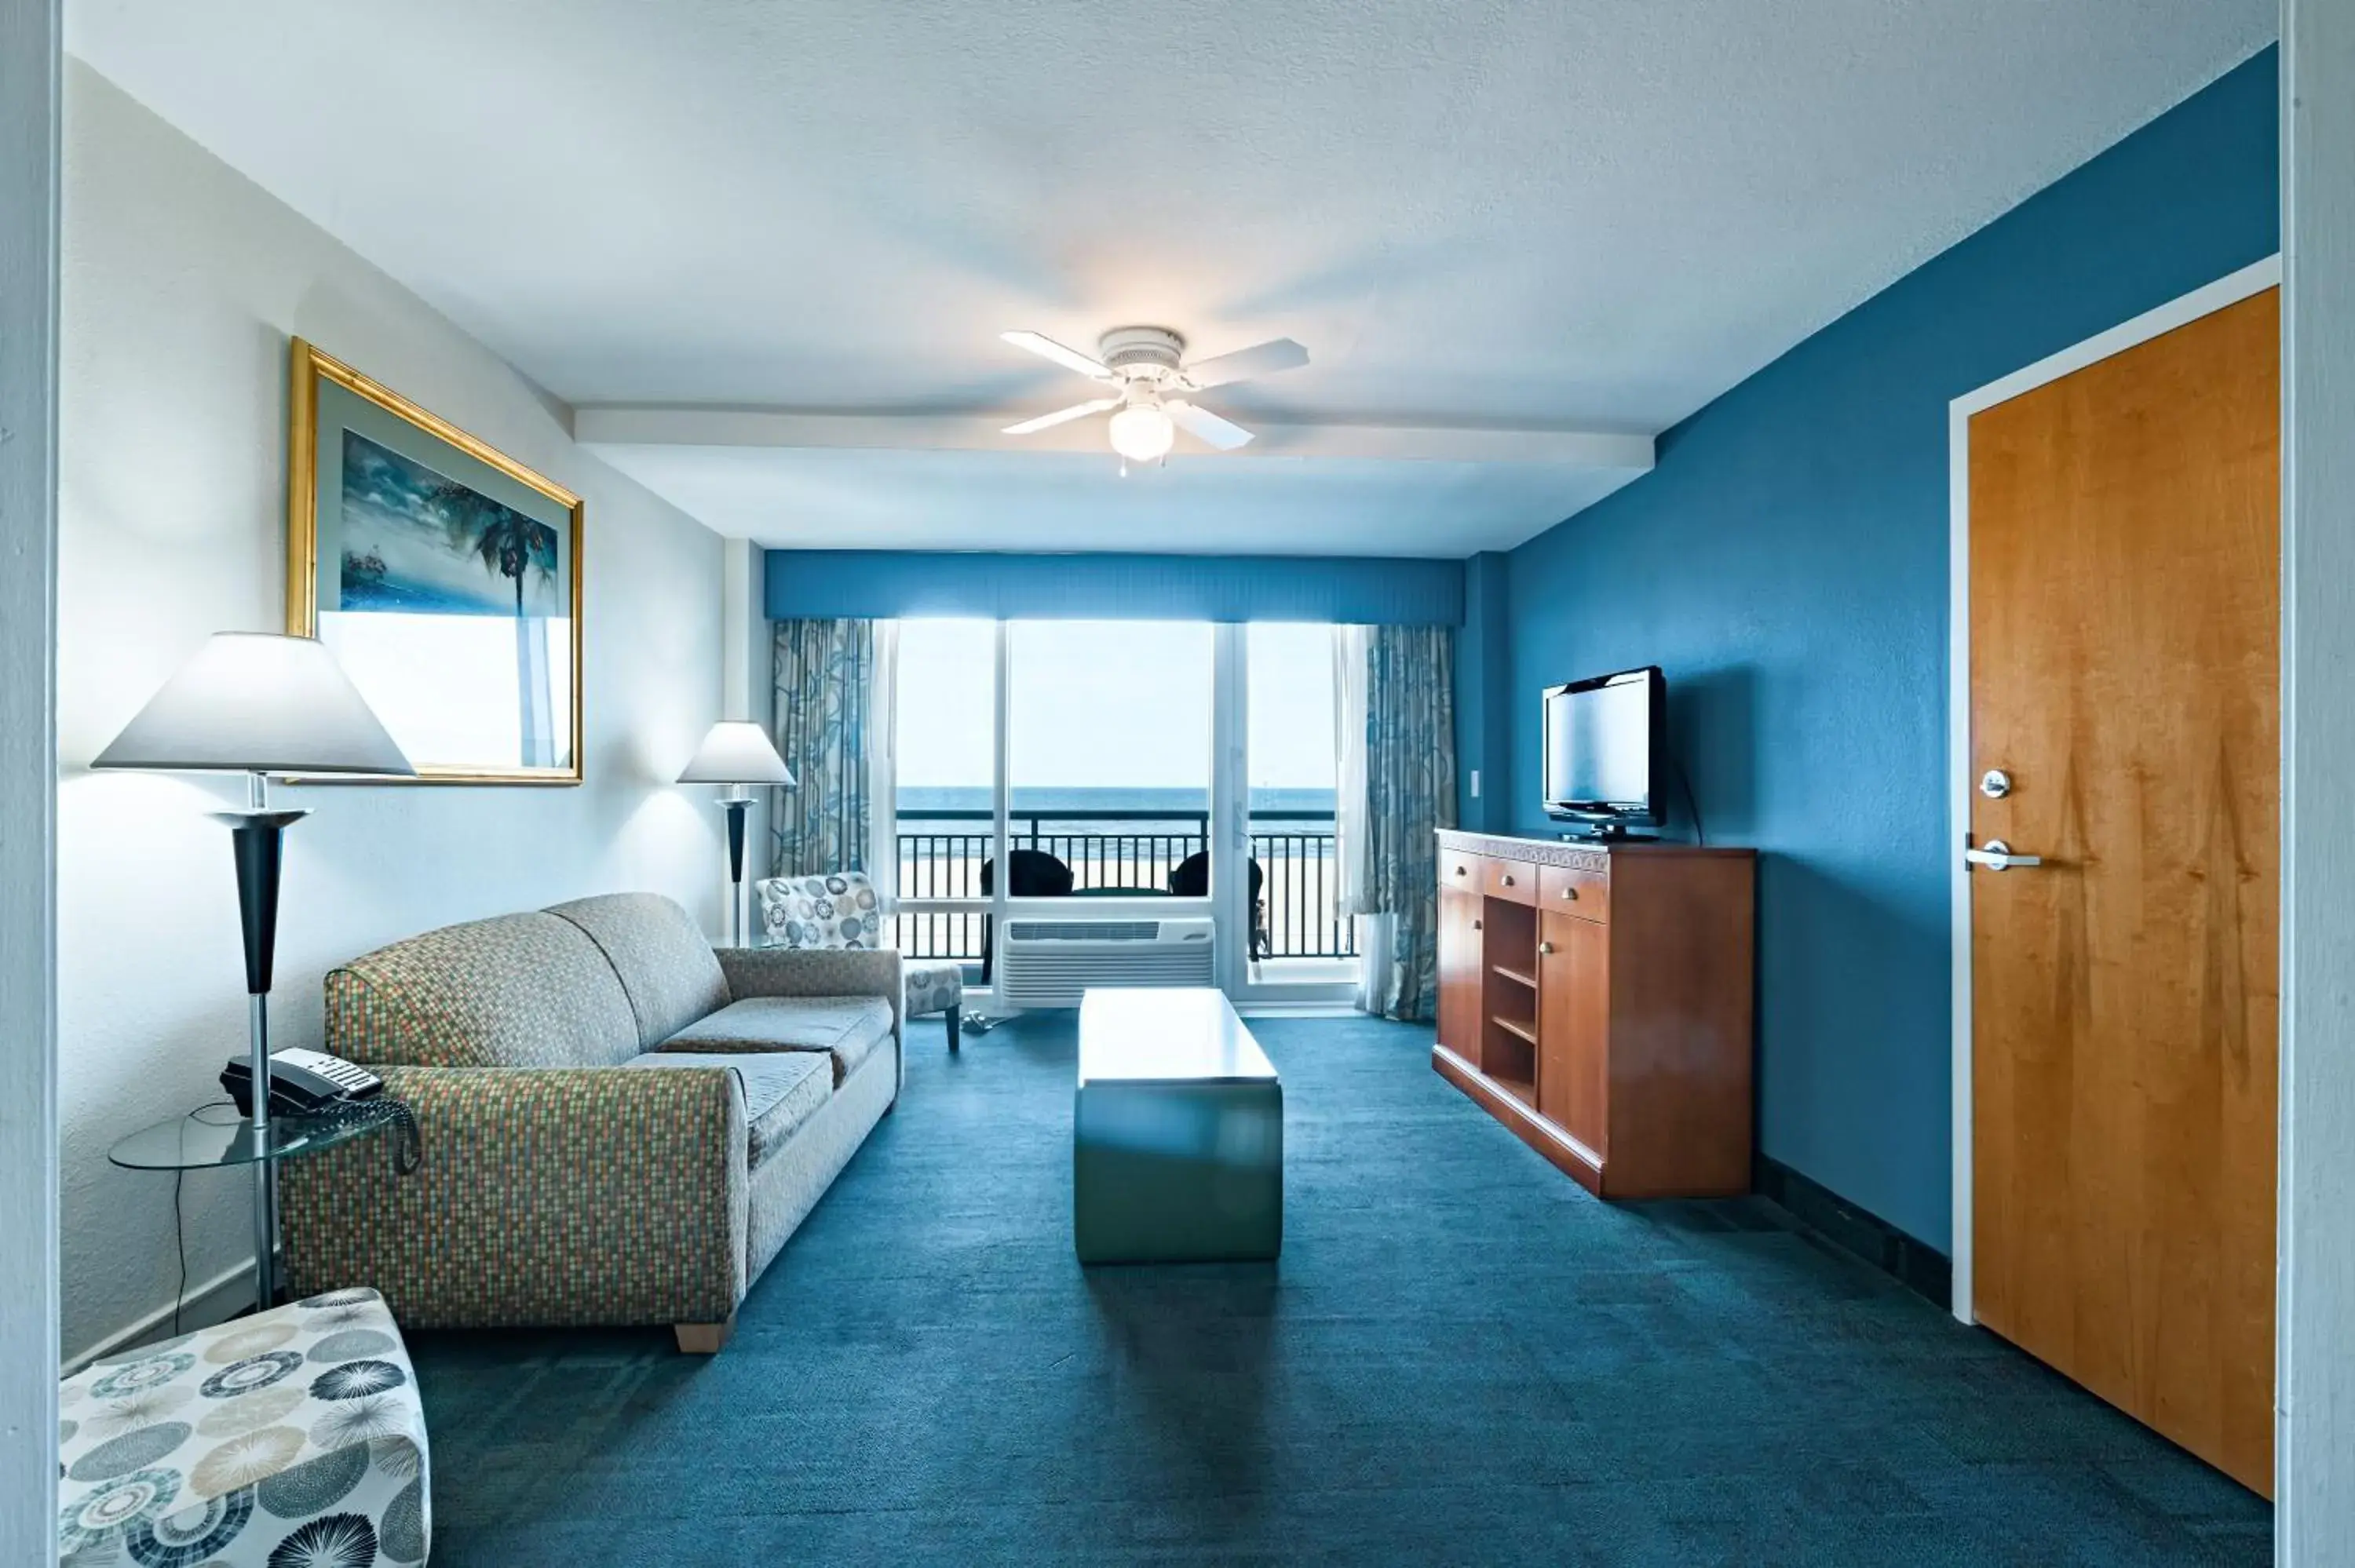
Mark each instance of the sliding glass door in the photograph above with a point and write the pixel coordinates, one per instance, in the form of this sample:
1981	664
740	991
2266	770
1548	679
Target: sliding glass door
1108	760
1290	767
1119	769
945	749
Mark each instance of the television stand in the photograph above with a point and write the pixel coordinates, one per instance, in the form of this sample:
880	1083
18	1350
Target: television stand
1595	998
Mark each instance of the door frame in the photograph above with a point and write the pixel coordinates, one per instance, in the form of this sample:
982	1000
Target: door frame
2229	290
31	134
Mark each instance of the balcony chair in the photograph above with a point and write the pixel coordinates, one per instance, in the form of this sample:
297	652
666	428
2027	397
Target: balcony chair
1191	879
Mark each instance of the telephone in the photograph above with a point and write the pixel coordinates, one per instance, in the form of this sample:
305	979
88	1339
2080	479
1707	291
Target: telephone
301	1083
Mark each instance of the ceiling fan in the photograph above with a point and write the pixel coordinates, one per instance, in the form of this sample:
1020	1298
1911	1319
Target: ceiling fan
1145	367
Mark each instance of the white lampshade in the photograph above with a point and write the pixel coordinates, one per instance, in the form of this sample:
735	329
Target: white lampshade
253	703
737	751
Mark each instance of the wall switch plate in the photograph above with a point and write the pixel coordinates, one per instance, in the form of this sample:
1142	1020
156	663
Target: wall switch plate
1475	783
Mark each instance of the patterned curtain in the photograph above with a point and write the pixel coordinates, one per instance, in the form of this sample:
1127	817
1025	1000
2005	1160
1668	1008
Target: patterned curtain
1409	794
826	707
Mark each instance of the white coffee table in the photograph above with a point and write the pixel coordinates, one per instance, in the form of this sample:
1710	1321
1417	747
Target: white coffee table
1177	1131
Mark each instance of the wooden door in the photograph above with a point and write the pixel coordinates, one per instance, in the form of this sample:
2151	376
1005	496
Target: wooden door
1574	1025
2123	610
1459	972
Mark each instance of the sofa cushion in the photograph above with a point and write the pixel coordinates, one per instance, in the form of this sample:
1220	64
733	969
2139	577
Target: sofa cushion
783	1089
666	965
846	1028
519	990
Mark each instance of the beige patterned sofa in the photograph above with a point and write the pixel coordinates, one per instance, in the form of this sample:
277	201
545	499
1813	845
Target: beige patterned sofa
620	1125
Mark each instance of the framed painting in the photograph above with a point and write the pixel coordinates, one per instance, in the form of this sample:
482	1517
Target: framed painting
444	575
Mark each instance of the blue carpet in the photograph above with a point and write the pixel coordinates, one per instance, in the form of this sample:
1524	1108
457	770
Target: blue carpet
1462	1358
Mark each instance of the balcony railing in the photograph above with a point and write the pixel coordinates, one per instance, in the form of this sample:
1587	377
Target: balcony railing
1115	851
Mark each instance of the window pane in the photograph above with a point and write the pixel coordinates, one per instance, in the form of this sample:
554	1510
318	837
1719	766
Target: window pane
948	703
1109	754
1292	768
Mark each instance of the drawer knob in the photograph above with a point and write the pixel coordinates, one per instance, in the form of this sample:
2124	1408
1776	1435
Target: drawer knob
1459	870
1570	893
1476	924
1545	948
1508	880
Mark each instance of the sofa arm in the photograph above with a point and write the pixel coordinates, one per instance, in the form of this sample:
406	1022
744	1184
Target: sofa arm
546	1196
819	971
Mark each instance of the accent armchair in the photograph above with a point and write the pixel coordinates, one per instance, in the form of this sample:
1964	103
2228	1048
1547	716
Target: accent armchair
839	911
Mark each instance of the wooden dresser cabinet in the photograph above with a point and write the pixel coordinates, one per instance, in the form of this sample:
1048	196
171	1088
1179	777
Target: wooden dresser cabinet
1597	999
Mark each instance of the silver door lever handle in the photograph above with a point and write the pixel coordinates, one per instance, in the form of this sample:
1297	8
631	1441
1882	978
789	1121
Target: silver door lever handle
1996	856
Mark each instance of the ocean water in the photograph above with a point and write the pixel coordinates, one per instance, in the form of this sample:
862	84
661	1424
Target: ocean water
1151	804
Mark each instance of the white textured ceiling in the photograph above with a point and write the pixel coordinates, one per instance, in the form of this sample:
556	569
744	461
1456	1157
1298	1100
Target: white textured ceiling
1578	215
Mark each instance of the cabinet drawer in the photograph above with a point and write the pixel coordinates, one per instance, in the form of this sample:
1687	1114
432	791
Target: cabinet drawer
1512	879
1565	890
1459	870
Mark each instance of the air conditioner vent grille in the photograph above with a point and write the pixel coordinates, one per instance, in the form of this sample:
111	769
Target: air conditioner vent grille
1083	930
1050	963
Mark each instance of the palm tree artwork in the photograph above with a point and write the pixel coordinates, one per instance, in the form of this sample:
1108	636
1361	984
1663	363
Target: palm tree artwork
508	544
422	544
519	550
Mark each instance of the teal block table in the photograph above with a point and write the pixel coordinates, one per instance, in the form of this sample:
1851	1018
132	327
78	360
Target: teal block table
1177	1132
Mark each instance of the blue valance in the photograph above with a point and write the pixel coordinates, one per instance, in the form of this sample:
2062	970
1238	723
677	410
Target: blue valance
1363	590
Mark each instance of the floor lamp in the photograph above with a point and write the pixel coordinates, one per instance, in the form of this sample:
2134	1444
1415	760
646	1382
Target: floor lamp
258	705
737	753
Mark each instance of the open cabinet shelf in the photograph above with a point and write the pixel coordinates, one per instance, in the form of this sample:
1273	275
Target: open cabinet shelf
1518	1028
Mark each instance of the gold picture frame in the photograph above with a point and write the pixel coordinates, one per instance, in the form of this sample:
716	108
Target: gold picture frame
458	521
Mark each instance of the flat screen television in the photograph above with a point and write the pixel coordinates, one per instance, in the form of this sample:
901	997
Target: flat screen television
1602	740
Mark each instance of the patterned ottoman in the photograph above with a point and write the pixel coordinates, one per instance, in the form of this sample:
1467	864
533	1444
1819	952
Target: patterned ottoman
290	1437
935	985
840	909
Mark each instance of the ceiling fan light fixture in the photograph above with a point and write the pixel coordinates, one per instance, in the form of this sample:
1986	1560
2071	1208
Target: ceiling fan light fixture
1141	432
1150	388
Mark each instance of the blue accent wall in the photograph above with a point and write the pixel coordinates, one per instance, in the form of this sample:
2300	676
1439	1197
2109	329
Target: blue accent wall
1786	563
1362	590
1483	694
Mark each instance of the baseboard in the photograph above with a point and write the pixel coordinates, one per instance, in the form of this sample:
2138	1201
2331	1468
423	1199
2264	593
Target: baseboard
1913	1262
215	1300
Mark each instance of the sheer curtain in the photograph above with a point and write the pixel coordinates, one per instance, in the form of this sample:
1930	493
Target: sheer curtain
1396	687
827	720
1374	927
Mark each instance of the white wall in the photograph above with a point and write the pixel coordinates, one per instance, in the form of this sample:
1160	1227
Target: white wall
2315	1465
182	283
28	1231
748	651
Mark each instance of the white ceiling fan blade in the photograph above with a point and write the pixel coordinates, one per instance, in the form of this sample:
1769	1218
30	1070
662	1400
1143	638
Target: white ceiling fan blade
1046	347
1260	359
1205	426
1061	415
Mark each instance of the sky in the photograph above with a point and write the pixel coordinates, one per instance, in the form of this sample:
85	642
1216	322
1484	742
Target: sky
1100	704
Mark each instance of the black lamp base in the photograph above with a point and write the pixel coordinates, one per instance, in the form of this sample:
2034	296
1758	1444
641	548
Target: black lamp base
736	809
258	840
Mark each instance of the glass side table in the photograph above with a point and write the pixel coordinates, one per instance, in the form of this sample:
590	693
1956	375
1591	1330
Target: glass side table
216	1135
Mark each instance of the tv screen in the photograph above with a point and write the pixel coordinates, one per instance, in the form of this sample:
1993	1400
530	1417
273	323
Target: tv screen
1601	736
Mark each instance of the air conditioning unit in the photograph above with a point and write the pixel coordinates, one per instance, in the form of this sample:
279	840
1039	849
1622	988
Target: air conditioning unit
1046	963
